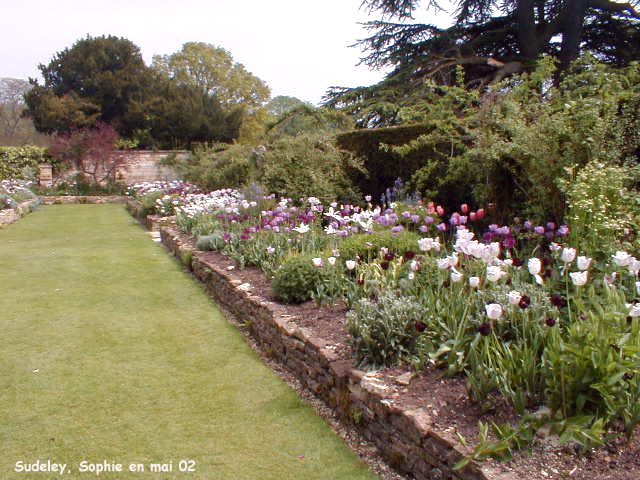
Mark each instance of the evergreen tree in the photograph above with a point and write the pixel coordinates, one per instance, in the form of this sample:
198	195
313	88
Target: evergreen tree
490	40
96	80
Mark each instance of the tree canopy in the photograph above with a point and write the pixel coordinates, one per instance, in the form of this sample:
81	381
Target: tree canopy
15	129
105	80
213	70
97	79
489	40
283	104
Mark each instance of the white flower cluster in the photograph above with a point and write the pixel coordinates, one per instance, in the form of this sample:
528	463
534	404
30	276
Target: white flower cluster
144	188
362	219
15	186
467	245
226	200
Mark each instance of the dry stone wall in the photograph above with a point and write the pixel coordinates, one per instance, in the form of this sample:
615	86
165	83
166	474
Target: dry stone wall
404	437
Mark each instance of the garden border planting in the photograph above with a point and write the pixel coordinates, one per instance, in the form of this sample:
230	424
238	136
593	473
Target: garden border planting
10	215
404	437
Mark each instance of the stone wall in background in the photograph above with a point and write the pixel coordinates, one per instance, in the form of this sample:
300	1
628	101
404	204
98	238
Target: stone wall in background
137	166
146	165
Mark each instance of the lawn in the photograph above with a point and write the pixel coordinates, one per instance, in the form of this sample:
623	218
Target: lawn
110	352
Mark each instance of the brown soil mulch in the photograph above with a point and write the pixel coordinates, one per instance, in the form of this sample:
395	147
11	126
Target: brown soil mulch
447	400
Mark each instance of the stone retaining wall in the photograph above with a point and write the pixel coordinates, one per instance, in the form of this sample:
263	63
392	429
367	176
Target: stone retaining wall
150	222
404	437
10	215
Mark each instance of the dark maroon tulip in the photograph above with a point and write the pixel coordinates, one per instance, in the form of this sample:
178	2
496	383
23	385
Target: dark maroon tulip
558	300
524	301
485	329
421	326
550	322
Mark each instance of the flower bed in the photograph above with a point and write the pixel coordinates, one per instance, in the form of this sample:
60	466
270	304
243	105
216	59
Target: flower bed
537	327
16	200
405	436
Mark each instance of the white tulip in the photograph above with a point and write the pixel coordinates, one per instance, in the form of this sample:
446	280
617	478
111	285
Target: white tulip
317	261
634	310
634	266
456	276
535	266
494	311
579	278
495	273
621	259
474	282
514	297
584	262
351	264
443	263
568	255
303	228
332	261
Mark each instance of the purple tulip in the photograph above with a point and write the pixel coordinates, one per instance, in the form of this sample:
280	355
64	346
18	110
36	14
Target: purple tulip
509	242
539	230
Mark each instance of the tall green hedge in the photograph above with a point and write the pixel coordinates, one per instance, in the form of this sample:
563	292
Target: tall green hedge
21	162
382	165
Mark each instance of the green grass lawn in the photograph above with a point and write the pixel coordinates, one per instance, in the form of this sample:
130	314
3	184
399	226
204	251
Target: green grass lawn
109	351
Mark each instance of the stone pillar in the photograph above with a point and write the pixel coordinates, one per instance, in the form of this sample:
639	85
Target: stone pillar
46	175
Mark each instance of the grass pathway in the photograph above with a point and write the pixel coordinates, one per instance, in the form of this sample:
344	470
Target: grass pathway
109	351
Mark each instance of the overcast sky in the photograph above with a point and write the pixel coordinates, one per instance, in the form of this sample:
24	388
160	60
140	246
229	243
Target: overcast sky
298	47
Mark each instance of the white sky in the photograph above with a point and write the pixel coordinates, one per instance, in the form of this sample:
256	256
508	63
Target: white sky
298	47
